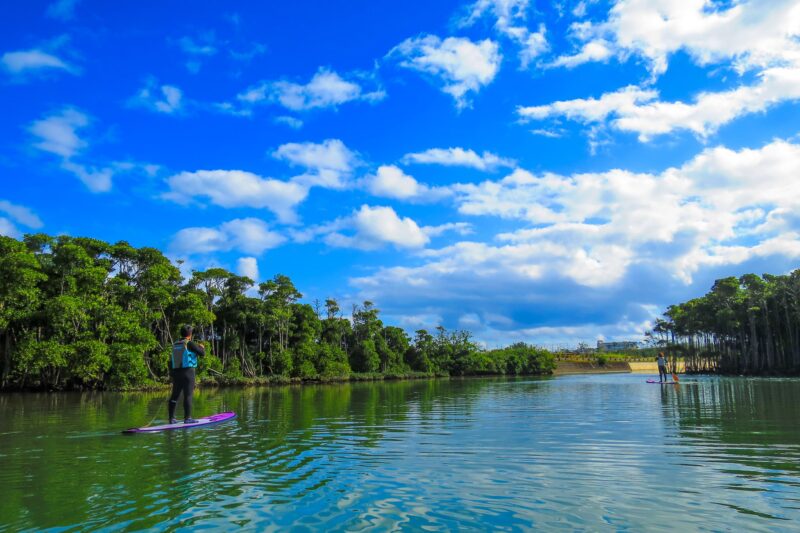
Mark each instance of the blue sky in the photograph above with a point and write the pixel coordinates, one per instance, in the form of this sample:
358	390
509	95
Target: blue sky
551	172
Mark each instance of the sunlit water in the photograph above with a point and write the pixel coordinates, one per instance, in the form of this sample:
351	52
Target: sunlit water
603	452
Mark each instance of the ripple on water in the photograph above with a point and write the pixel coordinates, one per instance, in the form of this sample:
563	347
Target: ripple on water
598	452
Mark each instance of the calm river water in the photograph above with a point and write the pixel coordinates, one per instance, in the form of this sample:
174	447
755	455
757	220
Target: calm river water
602	452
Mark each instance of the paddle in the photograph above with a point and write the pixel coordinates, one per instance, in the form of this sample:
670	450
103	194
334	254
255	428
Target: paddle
675	377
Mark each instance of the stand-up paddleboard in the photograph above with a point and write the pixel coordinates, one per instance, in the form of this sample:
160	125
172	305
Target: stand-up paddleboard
662	382
213	419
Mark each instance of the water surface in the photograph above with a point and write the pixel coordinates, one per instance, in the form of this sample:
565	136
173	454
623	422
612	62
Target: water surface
601	452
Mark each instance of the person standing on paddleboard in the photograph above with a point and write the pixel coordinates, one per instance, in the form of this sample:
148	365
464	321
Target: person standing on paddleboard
662	367
182	365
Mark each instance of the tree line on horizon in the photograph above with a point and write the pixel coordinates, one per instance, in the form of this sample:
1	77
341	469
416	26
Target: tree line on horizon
78	312
745	325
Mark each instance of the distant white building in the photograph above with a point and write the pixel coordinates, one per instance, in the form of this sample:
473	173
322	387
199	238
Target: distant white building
616	346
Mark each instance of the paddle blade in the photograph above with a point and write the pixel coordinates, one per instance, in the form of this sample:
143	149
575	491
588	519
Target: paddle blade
675	378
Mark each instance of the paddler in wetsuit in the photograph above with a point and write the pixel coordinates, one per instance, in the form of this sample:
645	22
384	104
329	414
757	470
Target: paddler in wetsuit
182	365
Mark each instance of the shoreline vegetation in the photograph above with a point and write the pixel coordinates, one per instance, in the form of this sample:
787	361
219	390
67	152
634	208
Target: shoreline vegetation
78	313
743	326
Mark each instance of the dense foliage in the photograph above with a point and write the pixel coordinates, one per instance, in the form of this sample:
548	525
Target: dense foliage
79	312
746	325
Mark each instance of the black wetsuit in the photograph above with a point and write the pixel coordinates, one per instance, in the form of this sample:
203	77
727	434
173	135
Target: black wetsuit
183	379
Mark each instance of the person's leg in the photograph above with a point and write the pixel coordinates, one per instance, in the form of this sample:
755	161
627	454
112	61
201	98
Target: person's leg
188	393
176	392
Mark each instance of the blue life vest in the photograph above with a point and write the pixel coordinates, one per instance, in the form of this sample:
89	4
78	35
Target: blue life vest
182	356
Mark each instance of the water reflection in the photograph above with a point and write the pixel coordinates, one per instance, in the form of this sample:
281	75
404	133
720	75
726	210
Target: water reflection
578	452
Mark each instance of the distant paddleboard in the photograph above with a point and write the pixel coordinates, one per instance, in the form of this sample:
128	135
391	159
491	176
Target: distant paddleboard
662	382
213	419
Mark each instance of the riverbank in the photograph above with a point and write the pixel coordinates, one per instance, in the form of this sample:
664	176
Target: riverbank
210	380
586	367
610	367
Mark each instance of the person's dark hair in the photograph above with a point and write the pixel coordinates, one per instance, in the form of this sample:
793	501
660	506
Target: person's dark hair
186	330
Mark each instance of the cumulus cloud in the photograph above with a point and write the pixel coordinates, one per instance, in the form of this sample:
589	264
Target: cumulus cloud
249	235
58	134
166	99
248	266
510	20
237	188
391	182
17	214
459	157
597	50
703	204
754	35
760	37
463	66
21	214
373	228
615	240
636	110
327	164
326	89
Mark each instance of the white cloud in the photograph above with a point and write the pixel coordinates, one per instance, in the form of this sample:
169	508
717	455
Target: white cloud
35	60
21	214
8	228
96	179
328	164
462	228
757	36
712	199
249	235
17	214
596	50
391	182
237	188
248	266
166	99
465	67
459	157
58	133
510	21
551	133
375	227
292	122
198	49
325	89
616	241
62	9
638	111
754	34
205	47
533	45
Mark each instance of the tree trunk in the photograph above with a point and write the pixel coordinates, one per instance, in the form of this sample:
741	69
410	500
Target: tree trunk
6	358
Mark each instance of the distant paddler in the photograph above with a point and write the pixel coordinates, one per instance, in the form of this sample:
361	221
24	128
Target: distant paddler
662	367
